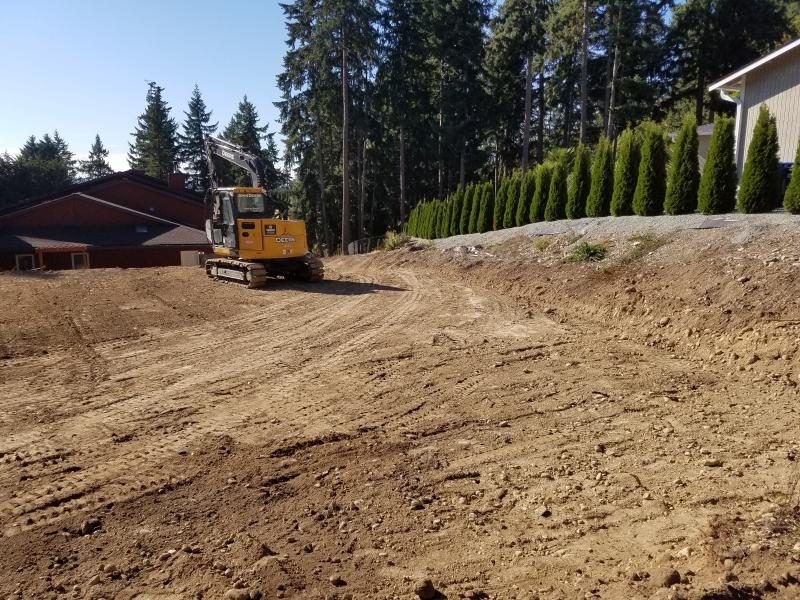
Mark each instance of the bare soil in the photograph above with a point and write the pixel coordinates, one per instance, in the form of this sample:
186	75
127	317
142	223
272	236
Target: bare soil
500	421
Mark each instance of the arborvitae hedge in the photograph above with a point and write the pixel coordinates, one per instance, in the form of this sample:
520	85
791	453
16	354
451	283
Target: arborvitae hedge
487	209
599	202
475	209
626	172
512	200
760	189
791	201
525	196
540	193
580	183
557	197
648	200
500	204
466	208
684	172
455	211
717	192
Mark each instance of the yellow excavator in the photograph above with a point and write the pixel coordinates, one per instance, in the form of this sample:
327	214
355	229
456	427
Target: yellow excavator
250	234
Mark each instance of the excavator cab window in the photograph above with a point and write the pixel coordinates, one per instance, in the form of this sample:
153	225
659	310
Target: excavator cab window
250	204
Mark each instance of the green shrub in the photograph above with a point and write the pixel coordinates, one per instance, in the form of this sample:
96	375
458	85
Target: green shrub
512	200
444	227
525	197
487	208
540	193
760	186
466	208
475	209
626	171
648	200
717	192
599	202
455	210
500	204
580	183
791	201
557	196
684	173
586	252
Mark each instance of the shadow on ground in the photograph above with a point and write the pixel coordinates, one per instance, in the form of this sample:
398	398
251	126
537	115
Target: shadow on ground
334	288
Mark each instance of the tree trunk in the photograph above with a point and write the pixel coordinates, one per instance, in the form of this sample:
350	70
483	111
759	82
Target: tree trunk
612	99
609	64
362	192
345	153
701	93
542	107
441	141
584	72
323	211
462	176
526	135
402	177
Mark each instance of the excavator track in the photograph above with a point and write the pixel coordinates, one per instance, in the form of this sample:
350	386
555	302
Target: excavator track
255	274
251	274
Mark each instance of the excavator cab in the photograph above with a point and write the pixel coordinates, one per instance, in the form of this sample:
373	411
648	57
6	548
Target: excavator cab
230	204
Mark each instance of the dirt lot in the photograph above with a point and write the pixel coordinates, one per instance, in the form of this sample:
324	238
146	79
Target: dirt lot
495	419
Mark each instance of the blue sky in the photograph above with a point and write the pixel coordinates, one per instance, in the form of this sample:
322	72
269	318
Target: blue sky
81	66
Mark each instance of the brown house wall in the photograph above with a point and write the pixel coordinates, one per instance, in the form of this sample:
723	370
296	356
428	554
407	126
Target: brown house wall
152	202
110	258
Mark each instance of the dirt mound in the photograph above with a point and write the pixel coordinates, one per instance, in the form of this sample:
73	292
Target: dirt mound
497	420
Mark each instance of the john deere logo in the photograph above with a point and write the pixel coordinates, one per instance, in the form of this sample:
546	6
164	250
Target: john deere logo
285	240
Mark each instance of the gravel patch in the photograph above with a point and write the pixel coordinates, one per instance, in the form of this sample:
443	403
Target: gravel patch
748	227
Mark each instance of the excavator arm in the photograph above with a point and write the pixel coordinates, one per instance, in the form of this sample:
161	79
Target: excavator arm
236	155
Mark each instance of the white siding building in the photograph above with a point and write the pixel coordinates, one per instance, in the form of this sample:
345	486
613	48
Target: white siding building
773	80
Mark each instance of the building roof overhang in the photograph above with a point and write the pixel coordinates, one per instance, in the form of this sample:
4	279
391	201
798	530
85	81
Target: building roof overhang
734	82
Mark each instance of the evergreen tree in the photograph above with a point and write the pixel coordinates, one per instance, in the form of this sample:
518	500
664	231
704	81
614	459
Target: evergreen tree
717	192
486	210
500	204
466	210
791	201
760	186
512	200
191	143
580	183
455	213
526	191
684	177
154	147
598	203
648	199
541	192
626	172
475	209
96	165
444	227
244	130
557	196
42	166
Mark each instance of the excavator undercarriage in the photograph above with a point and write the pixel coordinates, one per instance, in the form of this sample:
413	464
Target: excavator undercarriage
255	274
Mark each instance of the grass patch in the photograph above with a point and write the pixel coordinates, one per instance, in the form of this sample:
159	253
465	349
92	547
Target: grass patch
573	237
542	243
394	240
586	252
643	244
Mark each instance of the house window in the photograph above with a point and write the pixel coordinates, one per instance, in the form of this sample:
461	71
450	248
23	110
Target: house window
25	262
80	260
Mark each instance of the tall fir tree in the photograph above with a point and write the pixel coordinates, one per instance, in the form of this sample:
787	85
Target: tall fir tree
191	143
580	183
684	176
598	203
648	199
760	187
626	173
717	193
154	148
96	165
245	131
